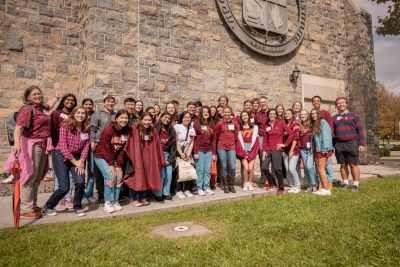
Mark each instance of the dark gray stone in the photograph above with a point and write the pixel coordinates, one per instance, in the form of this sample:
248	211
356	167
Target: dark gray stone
69	33
14	43
113	39
108	4
151	31
62	68
46	11
26	72
103	26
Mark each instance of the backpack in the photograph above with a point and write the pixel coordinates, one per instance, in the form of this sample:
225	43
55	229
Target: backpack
11	122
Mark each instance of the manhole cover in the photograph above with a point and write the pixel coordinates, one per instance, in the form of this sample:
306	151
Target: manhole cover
181	229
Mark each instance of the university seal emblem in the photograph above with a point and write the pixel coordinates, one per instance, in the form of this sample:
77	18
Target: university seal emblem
270	27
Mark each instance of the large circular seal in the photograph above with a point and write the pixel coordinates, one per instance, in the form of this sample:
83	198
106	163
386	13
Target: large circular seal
279	49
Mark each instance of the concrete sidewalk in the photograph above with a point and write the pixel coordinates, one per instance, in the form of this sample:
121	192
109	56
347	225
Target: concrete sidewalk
389	168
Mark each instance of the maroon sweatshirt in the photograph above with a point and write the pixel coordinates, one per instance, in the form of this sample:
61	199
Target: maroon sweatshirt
111	146
57	117
226	134
261	120
204	137
274	135
305	137
294	126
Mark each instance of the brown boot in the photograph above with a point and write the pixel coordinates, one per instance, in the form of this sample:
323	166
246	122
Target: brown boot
232	184
224	185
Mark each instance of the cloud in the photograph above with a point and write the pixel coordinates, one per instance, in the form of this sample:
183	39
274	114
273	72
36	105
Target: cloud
387	50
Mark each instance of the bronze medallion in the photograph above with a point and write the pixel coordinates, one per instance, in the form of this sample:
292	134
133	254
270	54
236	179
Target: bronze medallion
265	26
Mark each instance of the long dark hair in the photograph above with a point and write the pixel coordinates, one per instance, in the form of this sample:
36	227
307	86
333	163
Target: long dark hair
216	116
241	123
201	119
170	129
140	113
143	131
316	124
61	105
125	129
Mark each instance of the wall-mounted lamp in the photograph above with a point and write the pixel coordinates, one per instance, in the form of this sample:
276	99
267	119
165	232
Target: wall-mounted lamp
295	74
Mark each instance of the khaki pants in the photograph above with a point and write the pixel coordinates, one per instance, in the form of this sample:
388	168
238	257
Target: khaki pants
29	191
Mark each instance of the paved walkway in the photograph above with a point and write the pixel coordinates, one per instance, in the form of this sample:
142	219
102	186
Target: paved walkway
388	168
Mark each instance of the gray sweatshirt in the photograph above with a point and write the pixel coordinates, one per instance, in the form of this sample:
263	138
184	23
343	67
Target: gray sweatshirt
99	120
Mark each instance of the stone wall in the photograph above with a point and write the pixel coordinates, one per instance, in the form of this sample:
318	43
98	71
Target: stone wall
174	49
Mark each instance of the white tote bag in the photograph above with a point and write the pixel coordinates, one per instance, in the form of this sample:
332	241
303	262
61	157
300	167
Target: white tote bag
186	172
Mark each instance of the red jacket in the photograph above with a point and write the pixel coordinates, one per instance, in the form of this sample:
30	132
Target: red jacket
240	153
111	146
261	120
294	126
274	135
226	134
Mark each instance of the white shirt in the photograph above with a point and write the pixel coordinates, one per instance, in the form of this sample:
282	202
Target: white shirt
181	132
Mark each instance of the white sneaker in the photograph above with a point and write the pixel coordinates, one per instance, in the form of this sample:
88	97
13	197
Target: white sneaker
181	195
250	186
92	200
108	207
188	194
80	213
294	190
246	186
85	201
200	193
117	206
323	192
209	191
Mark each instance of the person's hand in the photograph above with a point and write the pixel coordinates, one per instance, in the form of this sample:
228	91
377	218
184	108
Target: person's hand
79	164
264	155
280	146
118	171
58	94
362	149
214	157
79	170
196	156
112	171
16	149
166	163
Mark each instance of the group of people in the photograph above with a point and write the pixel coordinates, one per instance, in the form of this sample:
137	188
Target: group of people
132	152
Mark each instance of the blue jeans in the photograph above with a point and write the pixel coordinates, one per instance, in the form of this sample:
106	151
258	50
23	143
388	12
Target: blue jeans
203	170
68	195
227	158
309	168
111	192
90	175
329	169
136	195
166	178
291	169
63	169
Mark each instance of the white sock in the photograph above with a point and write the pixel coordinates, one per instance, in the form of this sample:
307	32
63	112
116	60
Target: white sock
356	183
346	182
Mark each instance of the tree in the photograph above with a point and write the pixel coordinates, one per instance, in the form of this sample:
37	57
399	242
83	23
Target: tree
389	25
388	112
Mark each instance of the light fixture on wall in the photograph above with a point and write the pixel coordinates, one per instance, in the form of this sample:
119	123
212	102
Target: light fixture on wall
295	74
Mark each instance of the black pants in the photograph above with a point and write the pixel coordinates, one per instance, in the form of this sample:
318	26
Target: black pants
274	157
63	169
98	177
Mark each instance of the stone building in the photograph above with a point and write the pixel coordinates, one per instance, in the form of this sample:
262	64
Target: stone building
159	50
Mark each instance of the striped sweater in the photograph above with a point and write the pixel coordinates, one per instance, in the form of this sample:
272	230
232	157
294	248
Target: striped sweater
348	126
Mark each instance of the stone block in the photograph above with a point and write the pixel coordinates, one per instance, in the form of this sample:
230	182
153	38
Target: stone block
115	16
26	72
161	87
103	26
131	18
46	11
115	39
123	5
114	60
146	30
147	84
178	11
168	68
129	75
126	50
7	68
149	10
62	68
13	42
96	93
103	80
72	34
107	4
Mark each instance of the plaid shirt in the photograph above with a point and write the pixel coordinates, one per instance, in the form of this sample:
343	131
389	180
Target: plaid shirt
73	142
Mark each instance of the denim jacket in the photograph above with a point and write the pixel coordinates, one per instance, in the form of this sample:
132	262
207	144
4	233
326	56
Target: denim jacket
323	140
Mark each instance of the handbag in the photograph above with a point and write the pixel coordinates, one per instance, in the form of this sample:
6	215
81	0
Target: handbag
214	167
186	172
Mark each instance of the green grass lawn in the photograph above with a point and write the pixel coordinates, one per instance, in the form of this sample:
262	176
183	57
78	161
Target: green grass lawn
347	229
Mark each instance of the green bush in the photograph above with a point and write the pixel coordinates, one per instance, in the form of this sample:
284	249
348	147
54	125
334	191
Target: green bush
384	152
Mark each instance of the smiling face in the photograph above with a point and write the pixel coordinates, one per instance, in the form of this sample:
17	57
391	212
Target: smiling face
272	115
122	120
130	107
245	117
256	105
165	120
88	106
264	104
303	116
341	105
147	121
297	107
213	111
314	115
138	106
223	102
248	107
69	103
80	115
191	109
205	114
316	102
35	97
109	104
280	110
152	112
171	109
288	115
227	114
157	109
186	119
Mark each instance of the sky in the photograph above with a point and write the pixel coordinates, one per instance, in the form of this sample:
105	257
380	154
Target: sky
387	50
